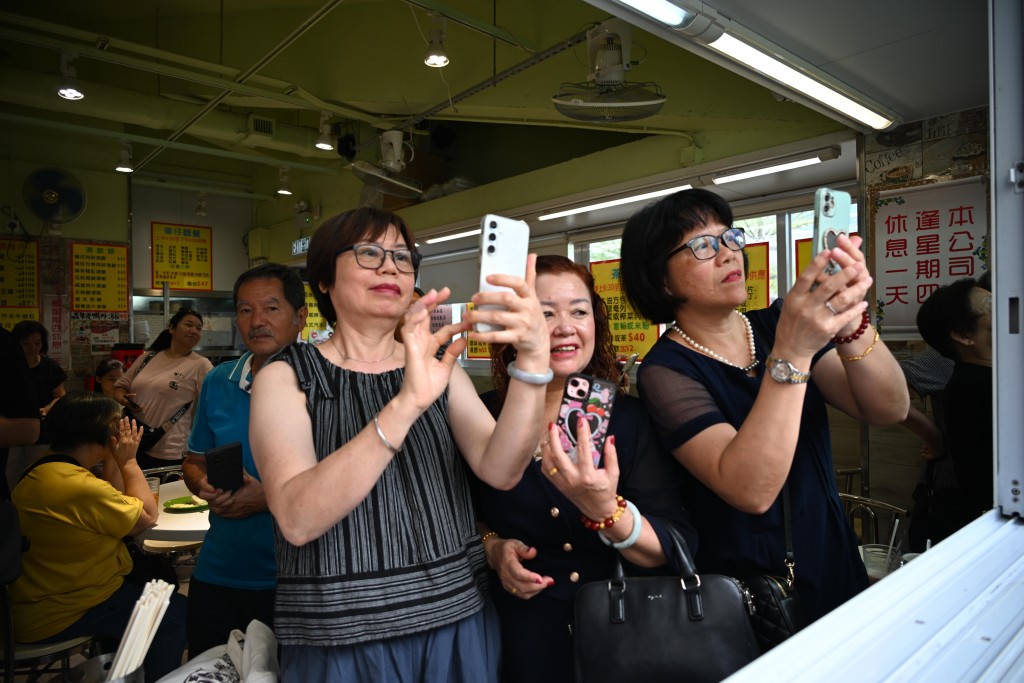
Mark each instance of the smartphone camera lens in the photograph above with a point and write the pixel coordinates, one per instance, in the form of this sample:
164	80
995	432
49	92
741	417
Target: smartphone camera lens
490	249
494	224
492	236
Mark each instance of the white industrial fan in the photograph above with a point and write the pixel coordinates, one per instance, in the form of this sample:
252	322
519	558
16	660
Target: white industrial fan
607	97
386	176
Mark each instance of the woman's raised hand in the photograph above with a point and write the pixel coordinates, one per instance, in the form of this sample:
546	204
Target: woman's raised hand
819	306
426	376
127	440
592	489
522	317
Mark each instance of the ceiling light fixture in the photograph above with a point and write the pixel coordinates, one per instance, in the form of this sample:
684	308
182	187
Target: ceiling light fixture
200	209
436	55
445	238
699	28
68	88
124	163
325	141
614	202
282	181
777	166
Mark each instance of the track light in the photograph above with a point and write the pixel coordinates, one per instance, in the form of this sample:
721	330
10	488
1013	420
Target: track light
776	166
325	141
454	236
124	164
200	209
69	79
436	55
698	28
282	182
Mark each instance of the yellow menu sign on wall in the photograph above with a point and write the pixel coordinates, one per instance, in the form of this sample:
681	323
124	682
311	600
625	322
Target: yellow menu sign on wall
19	281
182	256
630	333
99	278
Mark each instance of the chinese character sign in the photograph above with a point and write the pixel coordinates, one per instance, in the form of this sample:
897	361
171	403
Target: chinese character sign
757	277
182	256
19	281
99	278
315	322
630	333
925	237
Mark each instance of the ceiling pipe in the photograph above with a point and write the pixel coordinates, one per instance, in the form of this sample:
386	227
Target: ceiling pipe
473	23
145	140
200	187
297	33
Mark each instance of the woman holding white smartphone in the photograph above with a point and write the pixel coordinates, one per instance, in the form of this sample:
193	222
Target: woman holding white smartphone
364	443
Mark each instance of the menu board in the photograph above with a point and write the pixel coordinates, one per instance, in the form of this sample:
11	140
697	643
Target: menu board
19	281
315	323
758	272
925	237
182	256
99	278
630	333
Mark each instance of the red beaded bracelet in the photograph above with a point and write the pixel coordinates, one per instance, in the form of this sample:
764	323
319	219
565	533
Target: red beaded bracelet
608	523
864	322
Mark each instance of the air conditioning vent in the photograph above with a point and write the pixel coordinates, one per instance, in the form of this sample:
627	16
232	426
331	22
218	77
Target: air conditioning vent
260	125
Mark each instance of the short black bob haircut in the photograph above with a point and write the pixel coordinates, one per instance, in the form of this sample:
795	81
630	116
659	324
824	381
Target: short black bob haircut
26	328
80	418
365	224
654	231
946	311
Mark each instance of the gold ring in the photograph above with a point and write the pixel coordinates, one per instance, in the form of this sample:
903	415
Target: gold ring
514	590
553	471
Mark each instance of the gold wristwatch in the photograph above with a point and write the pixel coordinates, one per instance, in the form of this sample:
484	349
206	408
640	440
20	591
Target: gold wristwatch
783	371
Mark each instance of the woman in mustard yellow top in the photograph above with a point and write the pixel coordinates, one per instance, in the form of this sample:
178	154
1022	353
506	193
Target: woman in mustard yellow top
73	575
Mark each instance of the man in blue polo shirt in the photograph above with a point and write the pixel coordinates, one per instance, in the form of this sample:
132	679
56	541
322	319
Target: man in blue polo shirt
234	578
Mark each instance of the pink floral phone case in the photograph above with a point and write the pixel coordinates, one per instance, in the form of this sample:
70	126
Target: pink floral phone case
592	399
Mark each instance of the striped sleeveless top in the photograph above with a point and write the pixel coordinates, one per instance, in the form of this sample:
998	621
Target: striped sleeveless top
408	558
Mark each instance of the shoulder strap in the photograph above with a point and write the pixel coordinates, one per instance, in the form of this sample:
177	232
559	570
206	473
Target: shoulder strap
788	521
50	457
145	361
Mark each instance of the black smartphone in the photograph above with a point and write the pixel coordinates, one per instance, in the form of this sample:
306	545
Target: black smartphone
224	466
592	399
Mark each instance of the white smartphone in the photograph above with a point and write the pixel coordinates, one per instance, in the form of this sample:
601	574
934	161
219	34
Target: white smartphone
504	244
831	219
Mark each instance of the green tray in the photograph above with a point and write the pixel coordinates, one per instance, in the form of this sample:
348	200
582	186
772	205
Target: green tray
184	499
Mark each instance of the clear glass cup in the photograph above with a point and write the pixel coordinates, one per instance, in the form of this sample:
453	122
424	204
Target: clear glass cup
154	486
880	560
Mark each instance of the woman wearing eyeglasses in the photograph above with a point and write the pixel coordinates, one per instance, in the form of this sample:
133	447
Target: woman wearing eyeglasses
739	399
161	388
364	443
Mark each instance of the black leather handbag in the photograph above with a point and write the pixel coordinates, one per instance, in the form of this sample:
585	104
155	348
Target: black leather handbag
777	614
689	627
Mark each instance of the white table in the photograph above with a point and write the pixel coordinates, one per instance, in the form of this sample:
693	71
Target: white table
177	526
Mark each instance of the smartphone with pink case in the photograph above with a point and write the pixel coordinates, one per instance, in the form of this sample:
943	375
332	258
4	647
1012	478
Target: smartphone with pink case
592	399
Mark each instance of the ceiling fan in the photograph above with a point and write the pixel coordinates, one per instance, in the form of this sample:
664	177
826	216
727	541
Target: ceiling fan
55	196
385	177
606	96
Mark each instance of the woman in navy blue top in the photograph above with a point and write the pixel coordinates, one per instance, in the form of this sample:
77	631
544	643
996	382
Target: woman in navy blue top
740	400
534	536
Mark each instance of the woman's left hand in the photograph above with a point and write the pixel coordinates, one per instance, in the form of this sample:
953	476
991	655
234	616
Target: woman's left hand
592	489
851	259
127	440
519	314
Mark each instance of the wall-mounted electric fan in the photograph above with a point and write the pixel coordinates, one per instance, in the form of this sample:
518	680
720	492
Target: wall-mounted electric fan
55	196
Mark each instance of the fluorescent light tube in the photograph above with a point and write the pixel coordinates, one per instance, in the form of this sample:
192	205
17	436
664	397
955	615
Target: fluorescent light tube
767	170
614	202
445	238
660	10
776	70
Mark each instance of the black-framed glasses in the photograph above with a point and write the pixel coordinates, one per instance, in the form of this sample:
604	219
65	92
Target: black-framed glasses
706	246
372	256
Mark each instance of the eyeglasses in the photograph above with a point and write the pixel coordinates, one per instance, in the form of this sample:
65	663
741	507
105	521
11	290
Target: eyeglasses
706	246
372	256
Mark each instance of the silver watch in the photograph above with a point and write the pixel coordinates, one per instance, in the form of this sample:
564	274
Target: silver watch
785	372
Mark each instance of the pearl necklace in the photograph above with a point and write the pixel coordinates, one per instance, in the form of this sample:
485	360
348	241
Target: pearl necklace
345	356
705	350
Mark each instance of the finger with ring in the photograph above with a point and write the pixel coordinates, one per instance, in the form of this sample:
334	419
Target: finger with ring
553	471
514	590
828	305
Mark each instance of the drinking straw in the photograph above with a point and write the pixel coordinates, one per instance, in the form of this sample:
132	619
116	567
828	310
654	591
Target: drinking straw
149	611
928	544
892	540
